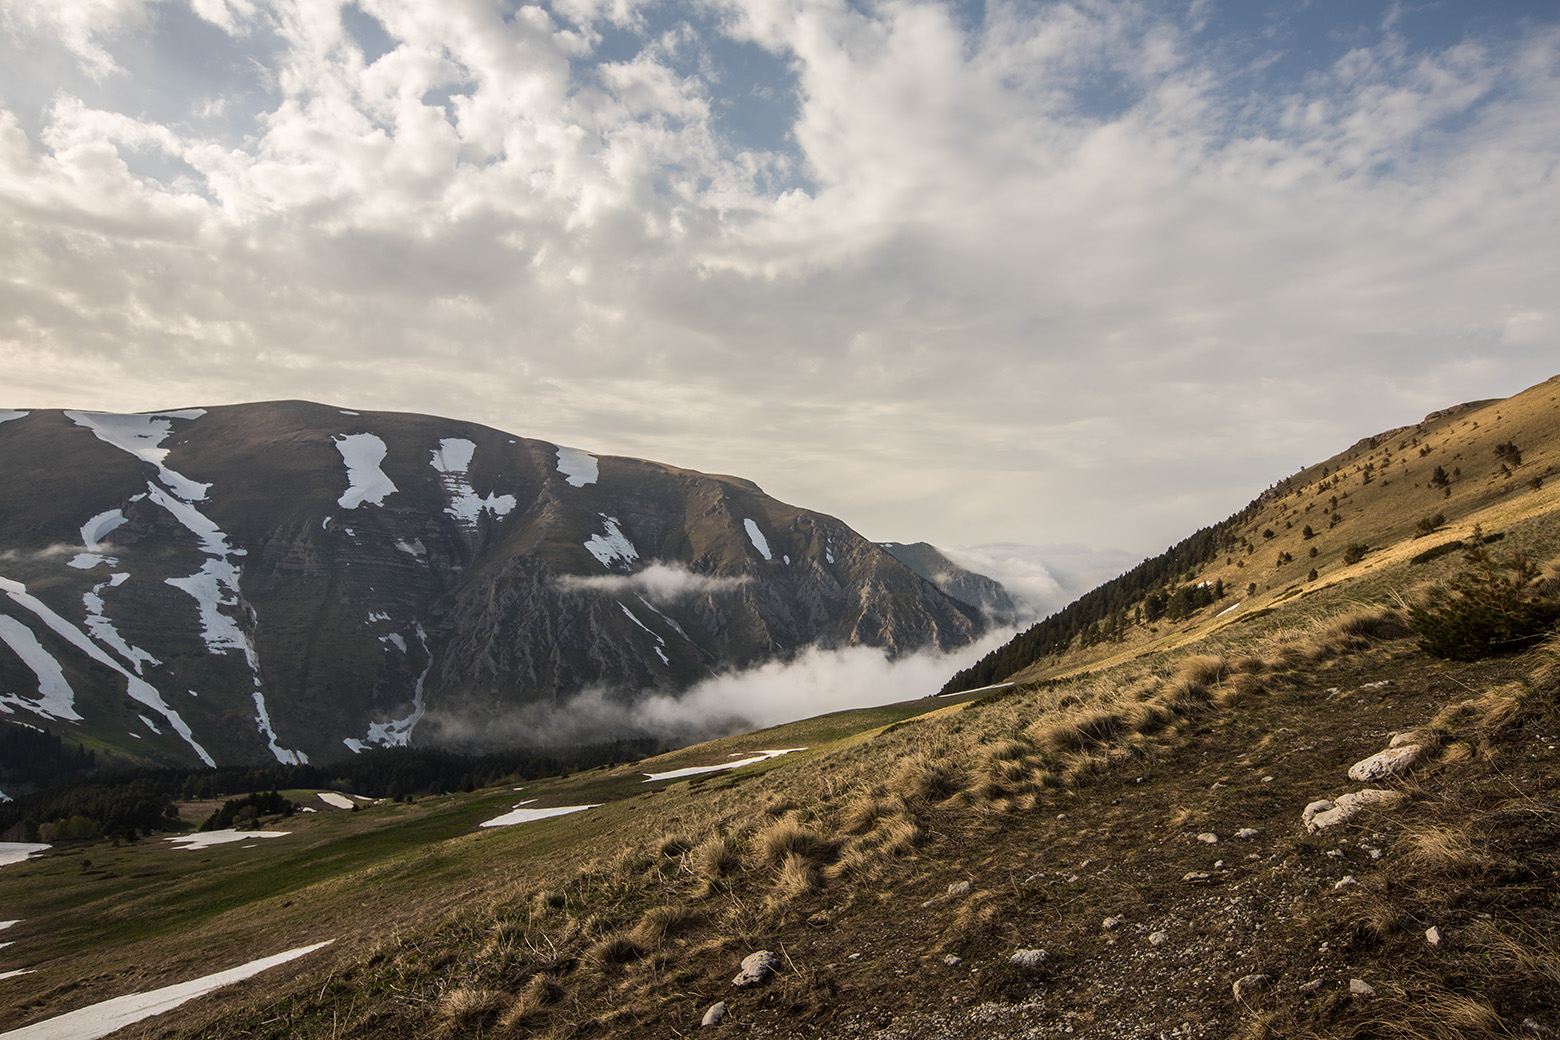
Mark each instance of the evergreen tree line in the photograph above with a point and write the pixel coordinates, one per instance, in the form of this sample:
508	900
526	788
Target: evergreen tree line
126	804
39	757
1151	590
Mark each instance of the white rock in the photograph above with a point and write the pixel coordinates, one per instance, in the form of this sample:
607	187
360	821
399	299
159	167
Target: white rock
1110	923
1433	935
953	960
1159	938
1392	762
959	888
1246	985
1346	882
756	968
1029	958
1346	808
714	1015
1208	838
1247	833
1361	988
1313	810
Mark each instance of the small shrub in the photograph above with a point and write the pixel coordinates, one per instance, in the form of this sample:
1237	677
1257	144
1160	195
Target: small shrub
1490	608
1355	552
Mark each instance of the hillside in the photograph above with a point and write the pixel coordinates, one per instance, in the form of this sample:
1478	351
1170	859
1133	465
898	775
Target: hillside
976	590
287	581
1155	839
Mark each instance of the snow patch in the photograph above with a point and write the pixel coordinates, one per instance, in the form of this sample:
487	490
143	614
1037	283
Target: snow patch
103	629
354	745
415	548
757	538
142	436
98	1020
263	719
397	639
99	527
56	699
16	851
578	467
366	482
340	801
519	815
614	545
206	839
150	724
398	732
757	756
452	458
7	414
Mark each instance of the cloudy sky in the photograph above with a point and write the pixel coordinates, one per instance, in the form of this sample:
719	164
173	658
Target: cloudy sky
1088	272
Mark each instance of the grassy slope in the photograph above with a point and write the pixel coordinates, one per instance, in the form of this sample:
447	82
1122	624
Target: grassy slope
1062	803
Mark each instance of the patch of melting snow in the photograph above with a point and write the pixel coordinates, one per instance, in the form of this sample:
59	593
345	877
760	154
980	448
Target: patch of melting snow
452	458
56	699
398	732
578	467
263	719
100	1019
340	801
206	839
366	482
660	650
758	756
614	545
757	538
100	527
1226	610
103	629
395	638
521	815
16	851
415	548
7	414
150	725
675	626
142	436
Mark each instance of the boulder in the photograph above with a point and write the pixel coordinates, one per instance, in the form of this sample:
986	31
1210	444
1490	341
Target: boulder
756	968
713	1016
1247	985
1029	958
1394	761
1323	814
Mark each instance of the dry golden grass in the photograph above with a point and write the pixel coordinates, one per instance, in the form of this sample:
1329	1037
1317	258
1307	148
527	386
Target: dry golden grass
660	923
539	994
1203	669
1443	851
714	858
461	1008
786	837
612	950
921	776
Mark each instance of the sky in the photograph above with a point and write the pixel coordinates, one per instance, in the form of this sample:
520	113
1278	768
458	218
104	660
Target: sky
1080	275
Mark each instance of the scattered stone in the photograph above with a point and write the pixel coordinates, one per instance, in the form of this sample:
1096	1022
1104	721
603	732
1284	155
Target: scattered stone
1159	938
1196	875
1218	864
953	960
959	888
1111	922
1029	959
1061	816
1247	985
1322	814
1307	988
1376	685
1392	762
1247	833
1335	853
1407	736
1345	883
1433	935
1362	989
1208	838
713	1016
1267	779
756	968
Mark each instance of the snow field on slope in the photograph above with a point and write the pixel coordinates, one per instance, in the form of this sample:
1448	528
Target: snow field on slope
15	852
452	459
56	699
522	815
757	538
109	1016
206	839
142	436
757	756
614	545
366	482
578	467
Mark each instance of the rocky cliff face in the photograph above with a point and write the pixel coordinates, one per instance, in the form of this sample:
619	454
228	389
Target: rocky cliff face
289	580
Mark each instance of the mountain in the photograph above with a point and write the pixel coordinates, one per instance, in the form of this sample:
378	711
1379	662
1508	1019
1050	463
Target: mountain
1388	498
976	590
285	581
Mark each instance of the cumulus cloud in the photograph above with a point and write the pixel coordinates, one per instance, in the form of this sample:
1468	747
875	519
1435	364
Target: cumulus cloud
659	583
1060	271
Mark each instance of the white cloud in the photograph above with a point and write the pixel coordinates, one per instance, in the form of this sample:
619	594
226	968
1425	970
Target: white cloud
659	583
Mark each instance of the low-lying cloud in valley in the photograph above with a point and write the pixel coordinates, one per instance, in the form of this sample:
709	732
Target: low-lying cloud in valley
659	583
815	682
